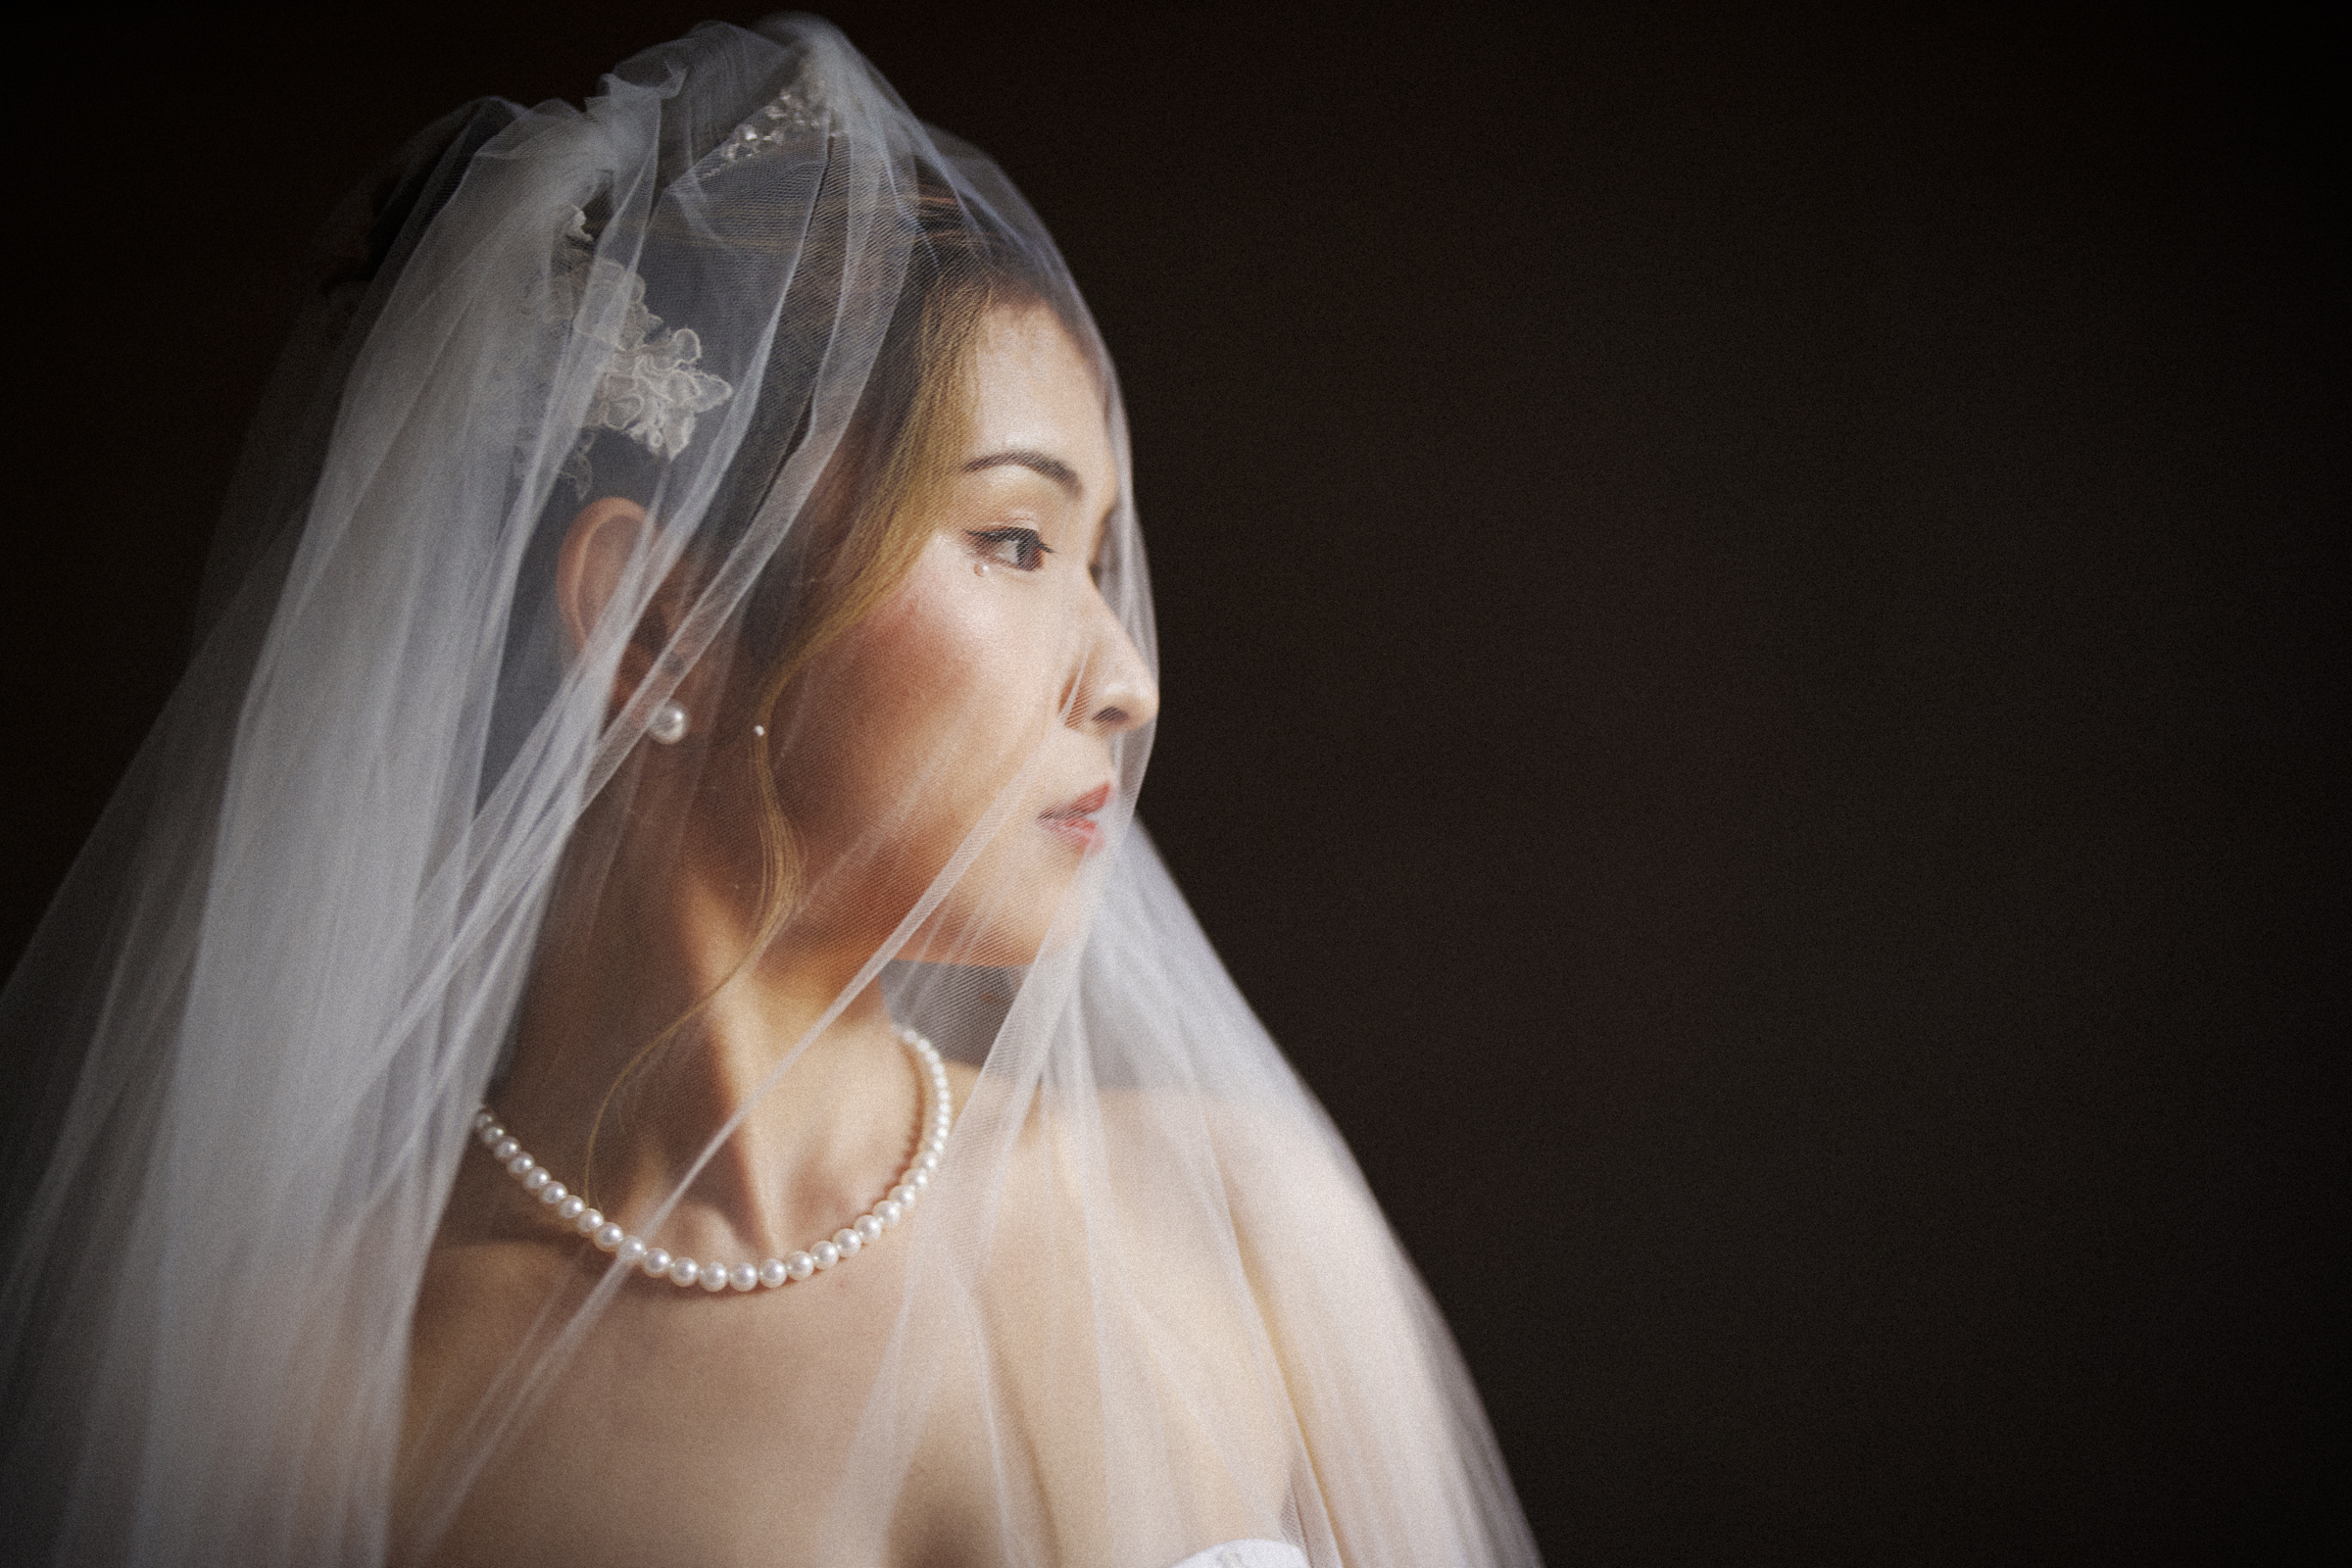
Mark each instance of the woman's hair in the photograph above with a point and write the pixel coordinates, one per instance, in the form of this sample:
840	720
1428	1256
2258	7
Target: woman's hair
871	509
868	512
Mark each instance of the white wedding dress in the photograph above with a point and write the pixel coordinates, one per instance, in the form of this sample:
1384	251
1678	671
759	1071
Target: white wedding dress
1248	1554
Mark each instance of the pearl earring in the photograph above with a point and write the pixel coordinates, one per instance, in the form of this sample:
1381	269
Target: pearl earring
979	568
669	726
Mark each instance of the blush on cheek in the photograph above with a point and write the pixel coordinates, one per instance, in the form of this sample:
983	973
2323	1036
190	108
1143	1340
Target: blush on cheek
921	654
934	691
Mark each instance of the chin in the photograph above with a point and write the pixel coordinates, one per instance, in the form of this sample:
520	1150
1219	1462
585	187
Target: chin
1004	915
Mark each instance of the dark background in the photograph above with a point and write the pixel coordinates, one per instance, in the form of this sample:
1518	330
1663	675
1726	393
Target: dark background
1743	615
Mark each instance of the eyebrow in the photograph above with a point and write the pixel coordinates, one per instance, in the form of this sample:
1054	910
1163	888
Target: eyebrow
1052	467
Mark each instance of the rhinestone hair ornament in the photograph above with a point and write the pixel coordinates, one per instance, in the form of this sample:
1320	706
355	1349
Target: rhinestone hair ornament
791	113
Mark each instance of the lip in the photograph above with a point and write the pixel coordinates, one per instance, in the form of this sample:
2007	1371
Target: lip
1074	823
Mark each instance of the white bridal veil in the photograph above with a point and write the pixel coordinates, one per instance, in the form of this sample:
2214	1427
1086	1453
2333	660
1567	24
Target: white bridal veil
1143	1308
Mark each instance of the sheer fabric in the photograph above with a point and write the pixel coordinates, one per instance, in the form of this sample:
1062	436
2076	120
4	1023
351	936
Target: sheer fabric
417	823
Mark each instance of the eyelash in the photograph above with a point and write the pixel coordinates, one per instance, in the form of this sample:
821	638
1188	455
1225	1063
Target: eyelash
1029	552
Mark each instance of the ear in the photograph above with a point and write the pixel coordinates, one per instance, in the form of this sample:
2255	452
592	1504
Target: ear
604	538
604	543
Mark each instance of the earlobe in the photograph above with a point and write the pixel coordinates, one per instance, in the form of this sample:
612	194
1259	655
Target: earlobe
603	539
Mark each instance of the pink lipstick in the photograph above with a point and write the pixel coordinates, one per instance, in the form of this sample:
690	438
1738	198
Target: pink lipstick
1075	824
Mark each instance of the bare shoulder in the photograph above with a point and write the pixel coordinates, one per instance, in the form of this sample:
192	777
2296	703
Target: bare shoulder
1116	1206
1171	1170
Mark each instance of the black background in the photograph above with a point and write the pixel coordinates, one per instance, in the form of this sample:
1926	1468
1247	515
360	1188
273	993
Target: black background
1744	611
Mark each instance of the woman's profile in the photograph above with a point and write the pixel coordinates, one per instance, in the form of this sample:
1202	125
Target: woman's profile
622	1014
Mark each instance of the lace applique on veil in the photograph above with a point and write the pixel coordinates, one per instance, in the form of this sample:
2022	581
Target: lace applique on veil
649	389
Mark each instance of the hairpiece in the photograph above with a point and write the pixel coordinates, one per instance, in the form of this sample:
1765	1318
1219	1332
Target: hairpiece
648	387
790	113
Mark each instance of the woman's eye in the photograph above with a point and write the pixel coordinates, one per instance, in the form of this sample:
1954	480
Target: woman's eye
1018	548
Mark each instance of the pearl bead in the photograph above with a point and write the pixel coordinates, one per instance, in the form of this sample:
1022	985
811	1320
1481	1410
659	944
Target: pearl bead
935	1119
669	722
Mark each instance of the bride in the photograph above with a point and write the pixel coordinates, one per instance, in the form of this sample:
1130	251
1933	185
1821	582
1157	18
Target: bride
622	1015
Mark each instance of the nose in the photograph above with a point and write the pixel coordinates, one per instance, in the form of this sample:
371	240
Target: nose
1115	691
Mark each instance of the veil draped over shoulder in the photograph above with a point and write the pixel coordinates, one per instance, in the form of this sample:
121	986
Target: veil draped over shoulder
417	822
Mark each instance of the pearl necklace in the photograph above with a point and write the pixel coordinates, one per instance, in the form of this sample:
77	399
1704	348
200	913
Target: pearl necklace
938	1113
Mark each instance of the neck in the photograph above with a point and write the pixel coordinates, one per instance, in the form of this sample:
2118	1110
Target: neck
644	1031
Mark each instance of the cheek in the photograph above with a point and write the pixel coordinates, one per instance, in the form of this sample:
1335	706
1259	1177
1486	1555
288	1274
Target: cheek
927	676
931	694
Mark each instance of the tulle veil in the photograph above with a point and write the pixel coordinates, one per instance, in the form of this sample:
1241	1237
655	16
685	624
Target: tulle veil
248	1044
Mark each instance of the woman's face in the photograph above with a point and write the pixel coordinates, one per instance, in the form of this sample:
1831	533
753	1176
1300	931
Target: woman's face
985	690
